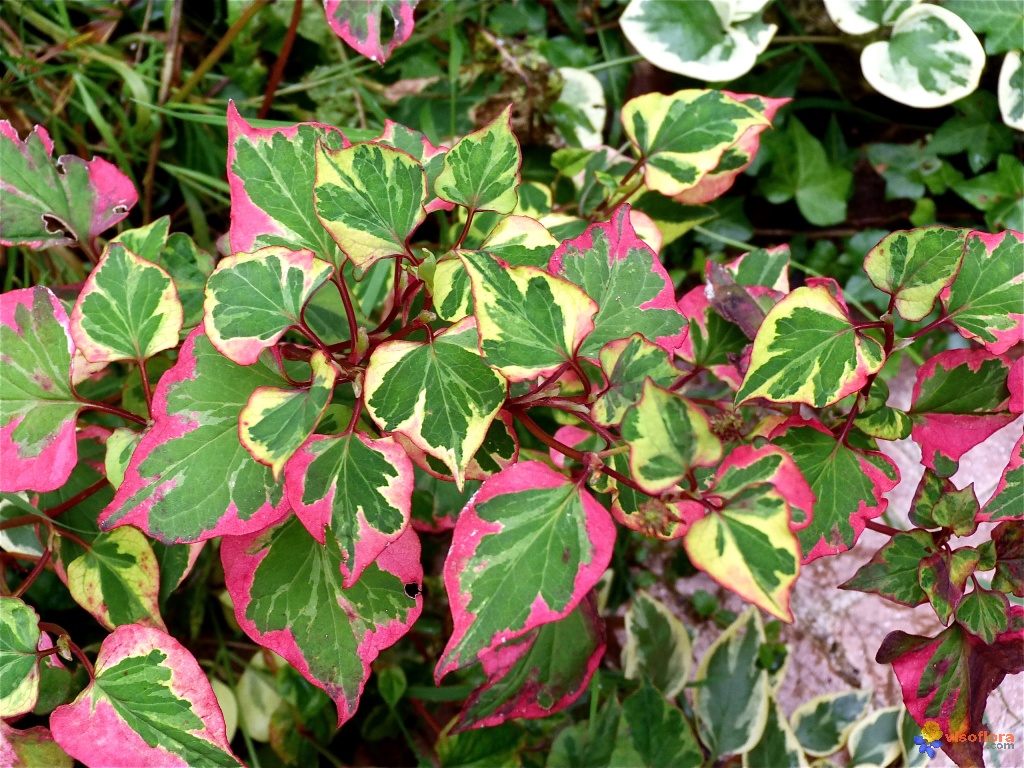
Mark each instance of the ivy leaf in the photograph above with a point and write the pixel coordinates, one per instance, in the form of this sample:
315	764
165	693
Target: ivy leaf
778	744
875	739
943	577
530	322
288	597
276	421
127	310
624	277
150	703
117	579
271	172
521	241
959	400
668	436
984	614
539	673
746	543
986	301
892	570
808	350
526	549
712	342
1008	538
417	145
732	704
877	419
190	267
823	724
914	267
947	678
360	24
1011	109
370	198
355	489
19	662
191	479
253	298
682	137
1008	500
500	449
1000	193
657	646
47	205
627	364
31	748
856	465
653	732
1001	23
464	394
481	172
38	407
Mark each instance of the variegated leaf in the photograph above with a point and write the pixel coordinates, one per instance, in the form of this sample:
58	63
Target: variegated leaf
253	298
711	342
1011	90
288	596
354	489
986	301
19	662
360	23
627	364
520	241
149	704
190	267
1008	540
984	613
875	741
481	172
463	392
1007	502
657	646
430	157
370	198
37	404
47	204
191	479
778	744
858	17
653	732
809	351
823	724
277	420
31	748
127	310
533	538
892	570
624	277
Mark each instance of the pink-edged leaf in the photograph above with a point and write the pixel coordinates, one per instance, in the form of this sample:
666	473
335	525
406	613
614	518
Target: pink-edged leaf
288	597
355	489
32	748
765	268
436	503
986	301
37	404
948	678
738	157
618	270
359	23
190	479
149	706
430	157
731	300
47	205
959	400
848	479
540	673
1007	503
526	549
1015	383
712	342
271	172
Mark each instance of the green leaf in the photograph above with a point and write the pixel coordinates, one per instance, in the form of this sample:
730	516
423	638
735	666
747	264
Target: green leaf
191	479
127	310
288	597
623	276
801	169
874	741
481	172
1000	194
683	136
892	571
588	744
530	322
19	663
35	381
975	130
627	364
190	267
657	646
120	446
1008	538
356	490
712	342
653	732
931	59
150	703
914	267
146	242
778	745
1001	23
809	351
370	199
117	580
733	702
823	724
464	394
668	436
253	298
526	549
277	420
521	241
984	613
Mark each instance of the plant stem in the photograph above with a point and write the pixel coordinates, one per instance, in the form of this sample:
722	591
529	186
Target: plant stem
879	528
64	506
56	629
93	405
147	391
350	313
33	574
282	60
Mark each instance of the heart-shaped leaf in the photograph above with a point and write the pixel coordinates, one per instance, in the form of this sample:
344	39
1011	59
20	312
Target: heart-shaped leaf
19	662
360	24
481	172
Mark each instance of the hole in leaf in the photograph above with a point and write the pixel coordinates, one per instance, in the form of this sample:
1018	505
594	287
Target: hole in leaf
413	590
56	227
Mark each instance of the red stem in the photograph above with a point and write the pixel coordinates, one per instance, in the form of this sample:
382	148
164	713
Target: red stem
282	60
33	574
56	629
465	229
879	528
146	389
350	314
64	506
92	405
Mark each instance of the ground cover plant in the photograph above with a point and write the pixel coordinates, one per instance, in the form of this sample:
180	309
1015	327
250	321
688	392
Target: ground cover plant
414	417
